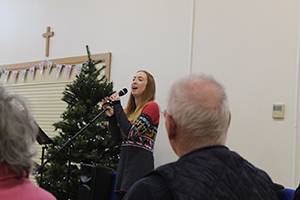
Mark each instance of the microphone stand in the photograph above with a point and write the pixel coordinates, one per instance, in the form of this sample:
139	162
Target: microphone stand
42	162
40	168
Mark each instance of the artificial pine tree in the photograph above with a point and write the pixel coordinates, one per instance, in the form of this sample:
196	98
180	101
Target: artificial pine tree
93	146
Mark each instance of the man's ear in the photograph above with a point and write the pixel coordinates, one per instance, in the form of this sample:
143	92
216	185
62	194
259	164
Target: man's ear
171	127
229	119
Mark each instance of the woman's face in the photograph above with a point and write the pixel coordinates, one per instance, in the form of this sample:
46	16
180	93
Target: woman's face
139	84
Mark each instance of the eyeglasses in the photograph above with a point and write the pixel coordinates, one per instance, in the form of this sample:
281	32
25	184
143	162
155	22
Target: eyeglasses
164	113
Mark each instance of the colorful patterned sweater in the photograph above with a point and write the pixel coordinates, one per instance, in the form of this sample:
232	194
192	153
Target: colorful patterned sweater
137	148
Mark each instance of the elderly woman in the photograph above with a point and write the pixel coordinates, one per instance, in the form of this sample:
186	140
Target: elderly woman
18	132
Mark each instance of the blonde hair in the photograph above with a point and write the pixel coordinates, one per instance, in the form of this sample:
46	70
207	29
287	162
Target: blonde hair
18	132
134	112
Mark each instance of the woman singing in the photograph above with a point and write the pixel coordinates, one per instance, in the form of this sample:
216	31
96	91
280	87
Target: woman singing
136	127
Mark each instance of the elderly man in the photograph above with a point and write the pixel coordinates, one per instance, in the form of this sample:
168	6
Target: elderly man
197	121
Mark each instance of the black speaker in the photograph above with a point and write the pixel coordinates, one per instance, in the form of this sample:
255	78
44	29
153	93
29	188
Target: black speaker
95	182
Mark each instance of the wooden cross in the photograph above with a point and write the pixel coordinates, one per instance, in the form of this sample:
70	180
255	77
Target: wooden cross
47	35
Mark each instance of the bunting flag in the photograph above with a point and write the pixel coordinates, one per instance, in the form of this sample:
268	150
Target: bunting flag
6	73
41	66
15	74
58	69
49	66
68	70
23	73
78	68
32	70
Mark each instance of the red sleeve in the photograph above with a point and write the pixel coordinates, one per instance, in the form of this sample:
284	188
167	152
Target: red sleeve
152	110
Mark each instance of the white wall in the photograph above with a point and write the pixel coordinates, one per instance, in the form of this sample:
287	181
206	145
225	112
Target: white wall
250	46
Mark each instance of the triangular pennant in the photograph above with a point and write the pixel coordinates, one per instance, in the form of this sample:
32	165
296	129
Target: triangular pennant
78	68
41	67
58	69
6	72
32	70
68	69
49	66
15	74
23	73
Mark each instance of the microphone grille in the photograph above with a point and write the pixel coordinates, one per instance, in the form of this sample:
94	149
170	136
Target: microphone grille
123	91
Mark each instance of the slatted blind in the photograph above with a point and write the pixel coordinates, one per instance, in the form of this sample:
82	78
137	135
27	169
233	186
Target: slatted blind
45	99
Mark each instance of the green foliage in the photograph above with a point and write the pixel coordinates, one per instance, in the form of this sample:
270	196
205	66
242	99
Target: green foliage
93	146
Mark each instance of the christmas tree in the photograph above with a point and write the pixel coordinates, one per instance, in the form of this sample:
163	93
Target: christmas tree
92	146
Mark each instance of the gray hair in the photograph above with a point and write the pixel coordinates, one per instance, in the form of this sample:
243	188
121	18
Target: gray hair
18	132
199	108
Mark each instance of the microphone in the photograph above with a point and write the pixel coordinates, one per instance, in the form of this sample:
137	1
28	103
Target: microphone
123	92
120	93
